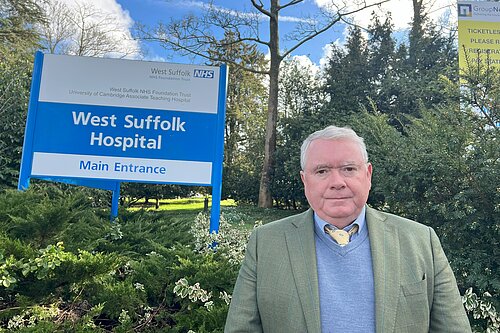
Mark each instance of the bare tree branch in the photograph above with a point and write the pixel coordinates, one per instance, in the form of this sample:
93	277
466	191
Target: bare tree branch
333	20
260	7
85	31
291	3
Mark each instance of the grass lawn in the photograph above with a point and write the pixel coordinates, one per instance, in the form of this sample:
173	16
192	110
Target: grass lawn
195	203
188	208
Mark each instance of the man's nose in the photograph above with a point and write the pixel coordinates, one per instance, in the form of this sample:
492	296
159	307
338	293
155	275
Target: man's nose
336	180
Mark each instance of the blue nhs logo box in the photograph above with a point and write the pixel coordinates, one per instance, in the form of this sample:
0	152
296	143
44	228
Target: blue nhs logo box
204	73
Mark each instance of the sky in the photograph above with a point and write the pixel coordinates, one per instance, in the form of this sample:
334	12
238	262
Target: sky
150	12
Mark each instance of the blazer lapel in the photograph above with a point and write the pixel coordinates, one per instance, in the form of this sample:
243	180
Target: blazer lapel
384	243
302	253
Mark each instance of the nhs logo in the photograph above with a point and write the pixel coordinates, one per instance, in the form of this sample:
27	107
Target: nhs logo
204	73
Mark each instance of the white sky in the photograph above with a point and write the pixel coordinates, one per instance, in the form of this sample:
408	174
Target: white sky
402	10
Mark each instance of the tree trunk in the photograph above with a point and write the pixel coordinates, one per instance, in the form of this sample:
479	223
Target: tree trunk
265	195
416	32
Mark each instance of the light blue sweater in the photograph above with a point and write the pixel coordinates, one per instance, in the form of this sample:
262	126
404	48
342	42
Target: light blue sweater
345	278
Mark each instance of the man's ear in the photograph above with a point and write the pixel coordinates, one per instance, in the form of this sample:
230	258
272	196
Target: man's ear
302	176
369	170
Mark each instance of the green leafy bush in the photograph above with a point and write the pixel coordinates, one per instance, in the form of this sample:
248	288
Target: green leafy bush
484	313
65	267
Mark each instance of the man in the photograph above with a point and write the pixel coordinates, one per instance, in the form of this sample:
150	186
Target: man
387	273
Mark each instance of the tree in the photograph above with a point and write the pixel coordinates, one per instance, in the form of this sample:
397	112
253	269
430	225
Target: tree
381	47
381	62
132	193
300	98
15	71
244	112
197	35
57	32
83	30
347	80
397	81
431	55
481	87
16	21
17	44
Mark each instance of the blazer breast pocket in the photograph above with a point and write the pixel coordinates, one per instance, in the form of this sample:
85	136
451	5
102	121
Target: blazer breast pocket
415	288
413	306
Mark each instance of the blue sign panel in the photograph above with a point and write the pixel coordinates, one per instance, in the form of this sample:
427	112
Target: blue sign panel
97	122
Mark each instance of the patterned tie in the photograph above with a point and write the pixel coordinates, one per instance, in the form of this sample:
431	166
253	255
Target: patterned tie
342	237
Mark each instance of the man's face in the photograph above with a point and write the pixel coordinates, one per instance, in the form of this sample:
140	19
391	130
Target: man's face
336	180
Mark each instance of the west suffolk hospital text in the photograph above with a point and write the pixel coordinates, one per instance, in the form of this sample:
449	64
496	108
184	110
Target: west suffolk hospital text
155	123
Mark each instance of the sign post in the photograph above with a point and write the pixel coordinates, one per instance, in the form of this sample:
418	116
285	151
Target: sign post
115	202
98	122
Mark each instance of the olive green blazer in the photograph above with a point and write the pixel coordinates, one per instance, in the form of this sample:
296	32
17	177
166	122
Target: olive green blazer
277	287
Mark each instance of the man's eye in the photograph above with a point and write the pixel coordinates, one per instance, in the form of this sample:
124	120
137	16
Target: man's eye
321	171
349	171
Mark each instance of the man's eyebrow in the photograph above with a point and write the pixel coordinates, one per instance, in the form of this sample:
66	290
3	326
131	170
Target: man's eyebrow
322	166
340	165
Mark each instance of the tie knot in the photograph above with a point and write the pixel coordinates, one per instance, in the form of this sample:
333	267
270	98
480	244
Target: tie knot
341	236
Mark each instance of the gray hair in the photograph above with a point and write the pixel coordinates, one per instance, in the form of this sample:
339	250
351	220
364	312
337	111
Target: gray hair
332	133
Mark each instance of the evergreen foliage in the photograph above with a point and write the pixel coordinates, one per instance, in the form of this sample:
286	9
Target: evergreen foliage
397	78
300	97
245	120
65	267
18	40
15	71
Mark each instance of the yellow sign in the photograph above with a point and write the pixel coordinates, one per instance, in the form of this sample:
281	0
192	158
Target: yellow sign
479	33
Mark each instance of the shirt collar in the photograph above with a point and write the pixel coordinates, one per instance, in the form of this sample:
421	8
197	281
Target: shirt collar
360	221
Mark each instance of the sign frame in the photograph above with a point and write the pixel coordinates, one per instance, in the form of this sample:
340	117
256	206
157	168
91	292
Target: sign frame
38	150
478	33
